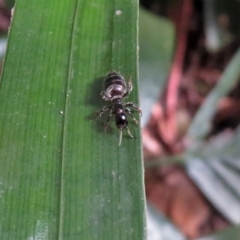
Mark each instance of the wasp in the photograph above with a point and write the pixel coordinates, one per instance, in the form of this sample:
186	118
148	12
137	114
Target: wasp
115	90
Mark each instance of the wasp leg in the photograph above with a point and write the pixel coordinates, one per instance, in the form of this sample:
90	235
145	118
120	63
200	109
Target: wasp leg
120	137
109	116
105	95
129	133
131	104
129	87
100	113
127	110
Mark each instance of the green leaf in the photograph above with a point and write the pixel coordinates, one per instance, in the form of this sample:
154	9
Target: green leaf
214	167
232	233
61	176
159	227
221	23
156	40
3	42
201	124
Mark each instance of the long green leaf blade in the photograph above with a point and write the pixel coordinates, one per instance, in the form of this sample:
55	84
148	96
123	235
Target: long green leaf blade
109	192
62	176
201	124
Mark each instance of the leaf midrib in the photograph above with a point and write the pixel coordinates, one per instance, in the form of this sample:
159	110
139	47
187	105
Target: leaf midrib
64	126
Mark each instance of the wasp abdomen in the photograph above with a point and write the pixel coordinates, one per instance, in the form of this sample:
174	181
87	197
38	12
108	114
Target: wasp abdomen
115	87
114	78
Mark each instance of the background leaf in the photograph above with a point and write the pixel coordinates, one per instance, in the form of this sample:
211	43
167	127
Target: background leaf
160	228
156	49
215	169
213	165
221	23
201	124
232	233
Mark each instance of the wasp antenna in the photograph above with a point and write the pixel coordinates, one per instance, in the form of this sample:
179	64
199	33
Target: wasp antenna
129	133
120	138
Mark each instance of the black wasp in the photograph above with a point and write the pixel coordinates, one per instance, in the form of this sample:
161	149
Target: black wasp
115	89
